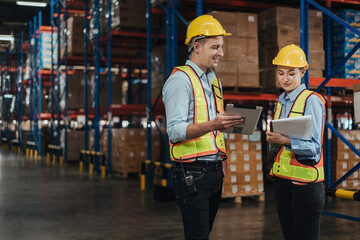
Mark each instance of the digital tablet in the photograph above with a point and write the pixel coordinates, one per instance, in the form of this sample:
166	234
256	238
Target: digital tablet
251	115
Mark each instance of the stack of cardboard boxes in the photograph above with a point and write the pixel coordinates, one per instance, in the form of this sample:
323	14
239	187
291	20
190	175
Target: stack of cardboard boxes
75	35
76	142
343	41
46	48
127	13
244	166
129	148
240	65
279	27
345	159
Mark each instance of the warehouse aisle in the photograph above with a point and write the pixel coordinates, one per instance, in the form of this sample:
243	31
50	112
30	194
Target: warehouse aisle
46	203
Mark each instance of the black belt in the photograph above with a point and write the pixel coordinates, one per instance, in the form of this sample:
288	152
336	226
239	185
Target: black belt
200	164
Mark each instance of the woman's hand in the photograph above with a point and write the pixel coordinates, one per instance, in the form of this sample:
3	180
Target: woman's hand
273	137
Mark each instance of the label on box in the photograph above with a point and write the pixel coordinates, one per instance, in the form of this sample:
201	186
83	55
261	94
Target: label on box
131	154
355	183
232	146
233	179
251	19
346	156
234	189
233	167
246	167
231	136
246	157
247	178
343	184
233	157
258	147
344	165
245	137
356	175
247	188
246	147
259	167
260	177
258	156
255	137
261	187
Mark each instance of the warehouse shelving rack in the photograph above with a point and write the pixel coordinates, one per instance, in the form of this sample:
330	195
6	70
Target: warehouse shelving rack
304	7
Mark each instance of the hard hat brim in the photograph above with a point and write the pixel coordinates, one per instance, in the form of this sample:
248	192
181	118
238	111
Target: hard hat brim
188	41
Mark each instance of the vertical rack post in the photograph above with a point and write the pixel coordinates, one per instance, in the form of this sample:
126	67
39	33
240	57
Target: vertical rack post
328	92
148	89
65	117
97	86
34	82
52	74
86	111
17	89
21	132
168	39
199	7
109	90
174	35
39	87
30	78
304	34
58	133
6	96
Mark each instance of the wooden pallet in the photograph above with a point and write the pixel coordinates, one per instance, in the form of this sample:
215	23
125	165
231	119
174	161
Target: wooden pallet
239	198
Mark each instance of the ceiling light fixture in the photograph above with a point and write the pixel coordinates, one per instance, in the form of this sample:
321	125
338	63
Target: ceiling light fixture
31	4
6	38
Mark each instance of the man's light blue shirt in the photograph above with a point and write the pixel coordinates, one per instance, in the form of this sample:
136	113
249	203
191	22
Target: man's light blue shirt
305	149
178	98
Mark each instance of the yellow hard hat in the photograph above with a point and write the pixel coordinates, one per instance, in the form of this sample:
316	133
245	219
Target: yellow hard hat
291	56
205	25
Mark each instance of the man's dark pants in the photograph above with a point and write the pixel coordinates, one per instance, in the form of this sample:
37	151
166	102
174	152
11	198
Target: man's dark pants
199	209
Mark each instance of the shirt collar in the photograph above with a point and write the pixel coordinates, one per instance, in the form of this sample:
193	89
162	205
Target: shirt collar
198	71
293	95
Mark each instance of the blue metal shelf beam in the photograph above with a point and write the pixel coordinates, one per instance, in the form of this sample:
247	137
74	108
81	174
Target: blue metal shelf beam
109	89
149	48
86	72
39	85
96	123
35	71
58	72
66	122
52	96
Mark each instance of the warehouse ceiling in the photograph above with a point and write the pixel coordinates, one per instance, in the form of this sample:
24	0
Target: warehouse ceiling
15	19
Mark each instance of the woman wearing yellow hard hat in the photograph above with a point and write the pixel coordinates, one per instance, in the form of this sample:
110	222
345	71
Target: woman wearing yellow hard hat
298	165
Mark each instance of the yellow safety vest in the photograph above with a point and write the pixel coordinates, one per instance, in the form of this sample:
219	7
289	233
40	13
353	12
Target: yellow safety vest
286	165
208	144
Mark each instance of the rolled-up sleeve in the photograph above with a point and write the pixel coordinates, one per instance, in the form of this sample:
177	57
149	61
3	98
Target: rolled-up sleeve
177	98
310	149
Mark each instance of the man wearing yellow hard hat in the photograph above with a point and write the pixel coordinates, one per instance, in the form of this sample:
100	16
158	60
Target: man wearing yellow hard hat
298	167
193	102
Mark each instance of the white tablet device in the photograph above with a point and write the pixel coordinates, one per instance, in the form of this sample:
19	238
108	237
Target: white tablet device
251	115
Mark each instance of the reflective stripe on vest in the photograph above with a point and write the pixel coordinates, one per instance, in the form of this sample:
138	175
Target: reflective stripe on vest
208	144
286	165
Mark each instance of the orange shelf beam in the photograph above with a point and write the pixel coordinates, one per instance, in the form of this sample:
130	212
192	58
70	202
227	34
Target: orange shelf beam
334	82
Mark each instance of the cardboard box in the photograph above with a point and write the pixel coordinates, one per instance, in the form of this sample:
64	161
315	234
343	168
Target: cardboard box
241	49
289	17
237	23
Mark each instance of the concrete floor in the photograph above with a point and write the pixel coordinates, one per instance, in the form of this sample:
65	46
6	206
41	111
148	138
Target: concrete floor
50	203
